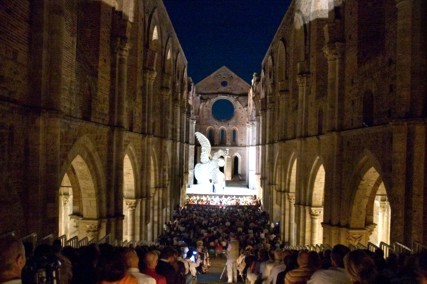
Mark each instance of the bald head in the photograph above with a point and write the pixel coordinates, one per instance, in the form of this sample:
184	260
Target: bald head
131	258
12	258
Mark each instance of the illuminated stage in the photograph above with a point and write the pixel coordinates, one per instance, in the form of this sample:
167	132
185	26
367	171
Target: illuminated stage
204	195
228	190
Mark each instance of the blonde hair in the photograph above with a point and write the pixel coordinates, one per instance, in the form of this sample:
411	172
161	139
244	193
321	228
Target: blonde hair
360	267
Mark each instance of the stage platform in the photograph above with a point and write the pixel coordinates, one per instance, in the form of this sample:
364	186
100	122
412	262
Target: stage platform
228	190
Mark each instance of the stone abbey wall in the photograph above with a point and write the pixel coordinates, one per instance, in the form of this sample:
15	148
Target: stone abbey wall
93	106
348	164
97	120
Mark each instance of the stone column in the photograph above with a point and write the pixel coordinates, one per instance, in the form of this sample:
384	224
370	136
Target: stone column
292	232
88	228
92	231
122	52
315	214
303	81
147	115
334	52
382	226
143	221
65	198
131	206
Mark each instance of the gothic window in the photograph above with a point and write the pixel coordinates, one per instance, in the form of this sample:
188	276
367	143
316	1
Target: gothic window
211	136
234	136
236	166
223	110
223	137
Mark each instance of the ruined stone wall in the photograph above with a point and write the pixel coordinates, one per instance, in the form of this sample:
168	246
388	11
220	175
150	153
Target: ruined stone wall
79	91
347	111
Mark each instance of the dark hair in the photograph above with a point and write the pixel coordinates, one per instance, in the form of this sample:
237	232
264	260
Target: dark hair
168	252
337	254
111	267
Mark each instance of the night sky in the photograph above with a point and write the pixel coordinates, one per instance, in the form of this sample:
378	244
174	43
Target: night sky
234	33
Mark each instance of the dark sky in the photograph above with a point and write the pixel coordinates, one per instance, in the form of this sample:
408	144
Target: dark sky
234	33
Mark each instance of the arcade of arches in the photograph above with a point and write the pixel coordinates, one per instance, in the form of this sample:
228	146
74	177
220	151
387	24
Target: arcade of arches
98	137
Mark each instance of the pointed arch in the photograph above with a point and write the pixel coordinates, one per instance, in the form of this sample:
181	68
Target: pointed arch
154	32
368	195
168	57
316	186
131	204
291	181
82	191
282	63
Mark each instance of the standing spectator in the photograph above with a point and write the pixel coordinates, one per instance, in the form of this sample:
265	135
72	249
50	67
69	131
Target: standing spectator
132	262
165	266
12	260
303	272
361	268
336	273
151	260
112	269
190	268
232	255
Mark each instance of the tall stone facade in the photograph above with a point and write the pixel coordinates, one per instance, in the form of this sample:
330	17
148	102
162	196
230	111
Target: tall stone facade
94	118
220	112
342	109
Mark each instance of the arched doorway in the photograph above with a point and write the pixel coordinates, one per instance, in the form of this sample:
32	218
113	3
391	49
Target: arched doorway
131	206
235	167
316	211
370	211
78	209
290	228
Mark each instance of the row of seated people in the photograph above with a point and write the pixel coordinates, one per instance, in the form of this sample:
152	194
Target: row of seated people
222	201
94	264
338	265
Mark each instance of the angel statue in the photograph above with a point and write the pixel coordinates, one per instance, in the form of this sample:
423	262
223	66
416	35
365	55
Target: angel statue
208	169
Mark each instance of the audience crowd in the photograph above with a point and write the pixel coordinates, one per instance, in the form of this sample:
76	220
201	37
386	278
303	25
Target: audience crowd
195	234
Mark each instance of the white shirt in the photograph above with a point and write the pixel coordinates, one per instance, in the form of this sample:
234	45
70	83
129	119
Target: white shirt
140	277
275	271
333	275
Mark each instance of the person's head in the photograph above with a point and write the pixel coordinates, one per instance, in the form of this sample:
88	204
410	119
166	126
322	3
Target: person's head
111	266
12	258
169	254
303	258
313	260
151	259
130	258
337	255
360	267
278	255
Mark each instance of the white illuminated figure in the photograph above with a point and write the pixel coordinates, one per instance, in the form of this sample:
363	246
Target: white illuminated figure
207	170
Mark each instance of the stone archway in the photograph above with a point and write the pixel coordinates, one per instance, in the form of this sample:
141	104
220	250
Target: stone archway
290	224
370	210
131	204
317	186
78	203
